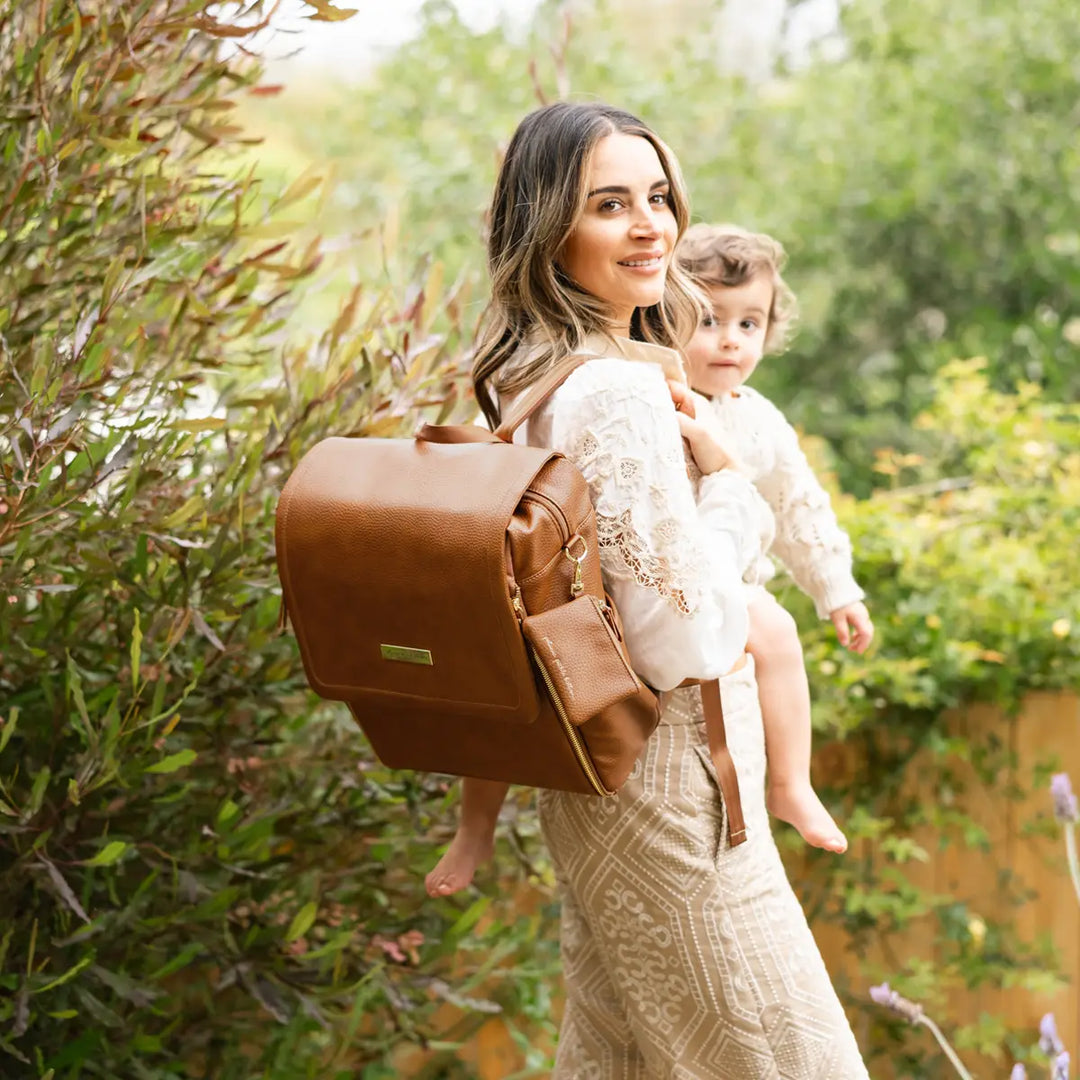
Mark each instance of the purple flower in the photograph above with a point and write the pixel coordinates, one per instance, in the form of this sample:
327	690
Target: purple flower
1059	1067
884	995
1018	1073
1065	805
1049	1041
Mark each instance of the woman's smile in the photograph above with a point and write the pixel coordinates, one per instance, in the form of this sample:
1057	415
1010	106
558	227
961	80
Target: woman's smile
647	264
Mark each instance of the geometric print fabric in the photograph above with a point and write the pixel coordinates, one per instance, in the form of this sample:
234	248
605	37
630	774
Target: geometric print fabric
684	958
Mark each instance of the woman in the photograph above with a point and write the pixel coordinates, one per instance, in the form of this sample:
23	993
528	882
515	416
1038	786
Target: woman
685	955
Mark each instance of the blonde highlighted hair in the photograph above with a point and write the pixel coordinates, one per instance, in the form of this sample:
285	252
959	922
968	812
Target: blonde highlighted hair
537	315
727	255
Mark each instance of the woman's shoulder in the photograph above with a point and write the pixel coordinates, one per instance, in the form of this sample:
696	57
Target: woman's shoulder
603	381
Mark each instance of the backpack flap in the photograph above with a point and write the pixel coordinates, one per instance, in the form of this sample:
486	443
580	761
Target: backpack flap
392	557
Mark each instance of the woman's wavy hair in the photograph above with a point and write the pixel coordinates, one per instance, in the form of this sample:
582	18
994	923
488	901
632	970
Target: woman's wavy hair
537	315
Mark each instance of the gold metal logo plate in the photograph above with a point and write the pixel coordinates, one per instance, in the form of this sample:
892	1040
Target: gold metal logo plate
406	655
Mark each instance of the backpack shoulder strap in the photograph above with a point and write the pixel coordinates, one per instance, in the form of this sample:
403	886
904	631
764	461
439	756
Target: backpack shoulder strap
537	394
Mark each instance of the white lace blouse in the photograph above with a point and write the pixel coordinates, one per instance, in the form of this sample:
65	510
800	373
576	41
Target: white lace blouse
673	564
809	540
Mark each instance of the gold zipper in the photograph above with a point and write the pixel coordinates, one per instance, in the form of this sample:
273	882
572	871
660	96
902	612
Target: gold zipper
571	732
552	507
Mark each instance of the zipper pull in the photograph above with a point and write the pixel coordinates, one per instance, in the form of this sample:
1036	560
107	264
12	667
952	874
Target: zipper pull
577	587
515	600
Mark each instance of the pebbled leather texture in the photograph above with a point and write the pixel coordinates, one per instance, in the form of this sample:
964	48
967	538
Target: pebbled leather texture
420	546
583	656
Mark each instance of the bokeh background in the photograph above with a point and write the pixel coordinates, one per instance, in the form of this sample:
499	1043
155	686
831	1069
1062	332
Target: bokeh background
229	230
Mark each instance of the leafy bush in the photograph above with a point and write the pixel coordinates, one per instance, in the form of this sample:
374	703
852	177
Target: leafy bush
201	872
966	554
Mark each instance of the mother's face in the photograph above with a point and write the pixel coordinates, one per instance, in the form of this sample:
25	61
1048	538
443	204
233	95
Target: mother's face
621	246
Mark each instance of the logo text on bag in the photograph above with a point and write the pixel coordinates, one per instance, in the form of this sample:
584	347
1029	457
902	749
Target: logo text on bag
406	655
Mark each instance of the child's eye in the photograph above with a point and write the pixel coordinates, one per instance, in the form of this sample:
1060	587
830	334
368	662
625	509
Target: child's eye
708	321
749	324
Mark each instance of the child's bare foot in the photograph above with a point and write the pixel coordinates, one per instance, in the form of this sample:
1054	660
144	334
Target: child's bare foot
454	871
799	805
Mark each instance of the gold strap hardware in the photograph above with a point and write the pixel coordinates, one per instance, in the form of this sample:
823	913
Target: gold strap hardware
577	587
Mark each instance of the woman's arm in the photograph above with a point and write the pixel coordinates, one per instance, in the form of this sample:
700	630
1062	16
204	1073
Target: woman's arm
671	565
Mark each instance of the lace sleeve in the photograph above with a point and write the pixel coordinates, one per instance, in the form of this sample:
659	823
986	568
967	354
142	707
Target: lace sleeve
809	540
671	565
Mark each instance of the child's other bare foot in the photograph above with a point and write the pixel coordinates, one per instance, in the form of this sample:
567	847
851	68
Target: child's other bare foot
799	805
454	871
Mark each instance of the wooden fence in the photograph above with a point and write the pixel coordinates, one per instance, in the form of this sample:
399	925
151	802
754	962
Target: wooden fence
1026	855
1024	849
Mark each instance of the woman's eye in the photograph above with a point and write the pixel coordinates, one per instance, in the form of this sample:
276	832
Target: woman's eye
609	205
661	198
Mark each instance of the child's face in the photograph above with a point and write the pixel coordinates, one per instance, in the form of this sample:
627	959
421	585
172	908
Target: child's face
727	346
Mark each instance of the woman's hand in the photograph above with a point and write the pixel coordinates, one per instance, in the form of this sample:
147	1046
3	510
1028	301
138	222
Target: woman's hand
710	455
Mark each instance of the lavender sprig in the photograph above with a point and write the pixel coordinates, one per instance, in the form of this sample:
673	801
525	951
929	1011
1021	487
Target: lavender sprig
1018	1073
1067	811
1059	1067
913	1013
1066	808
1049	1040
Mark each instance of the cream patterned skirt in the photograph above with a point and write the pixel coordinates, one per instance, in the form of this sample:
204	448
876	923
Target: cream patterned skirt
685	959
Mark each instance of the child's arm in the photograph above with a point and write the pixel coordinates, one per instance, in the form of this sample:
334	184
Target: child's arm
809	540
853	625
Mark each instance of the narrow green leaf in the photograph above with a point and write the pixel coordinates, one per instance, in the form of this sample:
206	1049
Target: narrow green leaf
108	854
469	918
297	190
67	976
37	793
9	726
302	922
77	81
174	762
136	653
112	276
181	960
74	681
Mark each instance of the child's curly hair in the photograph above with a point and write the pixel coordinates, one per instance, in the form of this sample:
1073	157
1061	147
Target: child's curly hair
728	255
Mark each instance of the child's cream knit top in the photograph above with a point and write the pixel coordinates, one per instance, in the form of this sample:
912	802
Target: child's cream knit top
809	541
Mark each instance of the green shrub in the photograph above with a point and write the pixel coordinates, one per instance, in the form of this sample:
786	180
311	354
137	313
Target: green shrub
202	872
967	555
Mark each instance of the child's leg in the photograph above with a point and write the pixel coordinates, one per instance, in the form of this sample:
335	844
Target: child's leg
785	709
474	841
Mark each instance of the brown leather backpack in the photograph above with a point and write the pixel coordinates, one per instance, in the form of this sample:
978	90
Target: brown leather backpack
447	588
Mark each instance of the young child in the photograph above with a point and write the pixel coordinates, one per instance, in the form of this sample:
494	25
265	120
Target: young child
752	308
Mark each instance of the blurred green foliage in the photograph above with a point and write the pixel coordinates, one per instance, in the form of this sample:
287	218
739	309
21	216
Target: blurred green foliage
920	164
203	872
966	554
